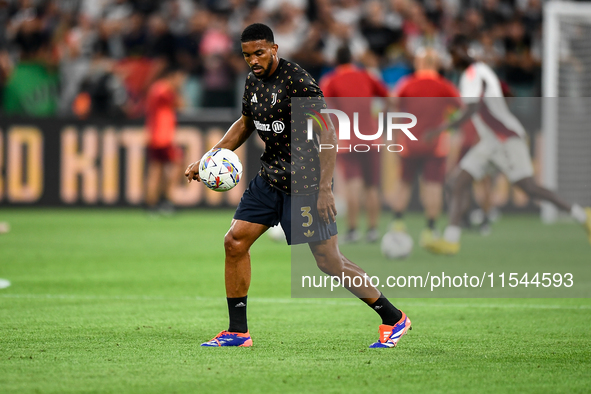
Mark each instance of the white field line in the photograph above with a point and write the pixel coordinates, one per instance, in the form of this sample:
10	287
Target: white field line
313	301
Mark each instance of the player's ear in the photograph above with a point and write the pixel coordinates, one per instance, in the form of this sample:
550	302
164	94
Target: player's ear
274	49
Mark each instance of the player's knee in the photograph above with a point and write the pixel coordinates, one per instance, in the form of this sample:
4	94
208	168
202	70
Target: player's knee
329	263
233	246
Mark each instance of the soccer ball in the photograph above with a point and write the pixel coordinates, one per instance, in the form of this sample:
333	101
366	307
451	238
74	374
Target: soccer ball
220	169
396	245
276	233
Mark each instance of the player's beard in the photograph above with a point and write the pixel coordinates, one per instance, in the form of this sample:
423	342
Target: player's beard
267	69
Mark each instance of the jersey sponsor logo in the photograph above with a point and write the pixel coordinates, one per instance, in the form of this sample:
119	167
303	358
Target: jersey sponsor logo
278	126
262	126
254	100
273	98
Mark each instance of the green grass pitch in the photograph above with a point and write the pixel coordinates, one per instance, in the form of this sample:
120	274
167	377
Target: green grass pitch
112	301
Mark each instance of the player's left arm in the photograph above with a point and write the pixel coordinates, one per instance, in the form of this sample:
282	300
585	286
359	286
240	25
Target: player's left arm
326	203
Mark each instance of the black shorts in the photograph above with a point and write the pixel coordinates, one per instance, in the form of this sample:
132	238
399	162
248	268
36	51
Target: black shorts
261	203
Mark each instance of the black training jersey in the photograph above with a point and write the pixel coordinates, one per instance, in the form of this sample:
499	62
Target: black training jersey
268	102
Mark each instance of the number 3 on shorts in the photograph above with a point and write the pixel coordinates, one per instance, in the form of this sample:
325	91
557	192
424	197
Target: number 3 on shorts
306	214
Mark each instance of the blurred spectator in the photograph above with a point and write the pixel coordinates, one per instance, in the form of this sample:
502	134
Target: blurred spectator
473	23
5	61
147	7
161	43
5	70
339	34
380	34
4	18
423	33
102	92
309	55
434	12
397	12
492	14
135	37
216	50
177	14
270	6
142	37
488	50
520	66
532	17
187	56
75	42
347	12
290	28
117	11
33	86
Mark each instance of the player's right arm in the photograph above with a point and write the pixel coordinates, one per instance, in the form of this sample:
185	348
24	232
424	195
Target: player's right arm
236	135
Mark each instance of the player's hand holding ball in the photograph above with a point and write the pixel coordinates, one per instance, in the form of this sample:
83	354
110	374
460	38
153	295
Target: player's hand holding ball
192	172
219	169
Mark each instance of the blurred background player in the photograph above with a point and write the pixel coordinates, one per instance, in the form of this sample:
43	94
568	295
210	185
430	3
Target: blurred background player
483	190
460	144
163	156
361	169
502	143
426	158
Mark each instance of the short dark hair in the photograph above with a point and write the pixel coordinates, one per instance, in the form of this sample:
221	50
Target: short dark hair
343	55
459	40
257	31
32	42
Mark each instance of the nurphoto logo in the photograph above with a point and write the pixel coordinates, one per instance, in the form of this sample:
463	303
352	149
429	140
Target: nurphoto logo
344	130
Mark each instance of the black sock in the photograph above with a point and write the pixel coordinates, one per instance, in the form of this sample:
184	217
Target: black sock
389	314
398	215
237	312
431	224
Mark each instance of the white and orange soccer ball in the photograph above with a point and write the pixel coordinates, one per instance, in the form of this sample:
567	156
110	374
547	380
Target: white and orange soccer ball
220	169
